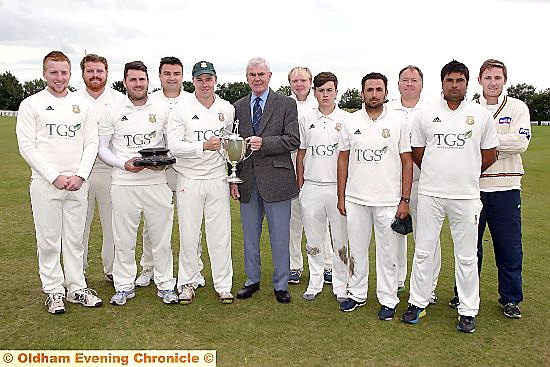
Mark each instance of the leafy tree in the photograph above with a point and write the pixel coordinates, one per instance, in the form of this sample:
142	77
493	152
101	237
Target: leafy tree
188	86
351	99
232	92
284	89
119	85
541	106
523	91
34	86
11	92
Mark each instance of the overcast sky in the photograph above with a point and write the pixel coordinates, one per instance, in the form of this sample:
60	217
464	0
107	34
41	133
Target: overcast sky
349	38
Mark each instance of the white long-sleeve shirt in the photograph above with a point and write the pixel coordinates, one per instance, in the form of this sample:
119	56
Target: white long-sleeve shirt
57	135
513	125
109	97
189	126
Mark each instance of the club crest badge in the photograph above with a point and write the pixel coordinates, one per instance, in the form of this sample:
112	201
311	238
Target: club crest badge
338	126
470	120
386	133
203	65
76	108
221	117
152	118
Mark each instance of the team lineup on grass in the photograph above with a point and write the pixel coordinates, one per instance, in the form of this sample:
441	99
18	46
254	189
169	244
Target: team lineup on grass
300	161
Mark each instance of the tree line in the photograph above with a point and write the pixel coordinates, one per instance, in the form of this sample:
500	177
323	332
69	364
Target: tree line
12	92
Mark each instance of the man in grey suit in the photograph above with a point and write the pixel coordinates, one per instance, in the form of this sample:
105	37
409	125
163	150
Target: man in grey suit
269	124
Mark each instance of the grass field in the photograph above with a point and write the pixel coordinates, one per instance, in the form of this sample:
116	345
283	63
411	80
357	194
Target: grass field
261	332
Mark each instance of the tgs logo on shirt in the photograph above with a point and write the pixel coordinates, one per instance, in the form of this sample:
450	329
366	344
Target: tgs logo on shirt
322	150
138	140
505	120
62	130
452	140
369	155
526	132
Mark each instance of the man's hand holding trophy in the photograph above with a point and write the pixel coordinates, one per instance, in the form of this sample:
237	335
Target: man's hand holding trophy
234	149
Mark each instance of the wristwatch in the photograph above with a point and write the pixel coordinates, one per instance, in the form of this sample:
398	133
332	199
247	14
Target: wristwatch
405	200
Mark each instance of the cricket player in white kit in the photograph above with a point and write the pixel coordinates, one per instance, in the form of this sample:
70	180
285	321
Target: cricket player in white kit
57	136
194	132
95	71
316	175
125	130
410	86
300	79
170	94
374	185
453	141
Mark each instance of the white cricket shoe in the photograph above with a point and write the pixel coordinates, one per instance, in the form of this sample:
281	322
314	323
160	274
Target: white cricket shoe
144	278
120	297
168	296
55	303
187	294
86	297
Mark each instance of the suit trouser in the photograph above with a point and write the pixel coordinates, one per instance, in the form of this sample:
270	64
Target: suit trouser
59	219
360	221
318	204
502	212
463	215
211	198
413	205
100	187
278	222
155	202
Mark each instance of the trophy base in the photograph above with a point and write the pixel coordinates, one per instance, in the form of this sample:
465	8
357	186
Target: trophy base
234	180
154	161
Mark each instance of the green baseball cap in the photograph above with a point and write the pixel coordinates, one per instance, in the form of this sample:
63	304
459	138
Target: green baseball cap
203	67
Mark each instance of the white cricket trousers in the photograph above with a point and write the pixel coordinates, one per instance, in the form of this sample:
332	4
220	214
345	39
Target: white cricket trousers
100	187
59	219
463	218
208	198
413	205
361	219
146	260
318	204
155	202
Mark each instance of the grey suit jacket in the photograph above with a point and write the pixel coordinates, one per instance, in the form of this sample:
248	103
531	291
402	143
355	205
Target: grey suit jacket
271	166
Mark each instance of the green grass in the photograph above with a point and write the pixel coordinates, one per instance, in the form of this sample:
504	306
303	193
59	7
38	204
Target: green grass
261	332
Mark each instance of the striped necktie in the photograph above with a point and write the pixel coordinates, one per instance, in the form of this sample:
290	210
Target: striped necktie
256	114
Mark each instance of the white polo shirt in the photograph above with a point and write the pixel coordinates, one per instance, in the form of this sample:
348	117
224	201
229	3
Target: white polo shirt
57	135
453	140
192	124
158	96
134	128
319	136
374	171
109	97
407	114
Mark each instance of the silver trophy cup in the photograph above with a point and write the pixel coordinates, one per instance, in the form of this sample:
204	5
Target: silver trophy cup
234	151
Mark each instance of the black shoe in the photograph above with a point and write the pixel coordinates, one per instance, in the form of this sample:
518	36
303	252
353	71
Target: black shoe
454	302
512	310
466	324
413	314
327	276
248	290
386	313
282	296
